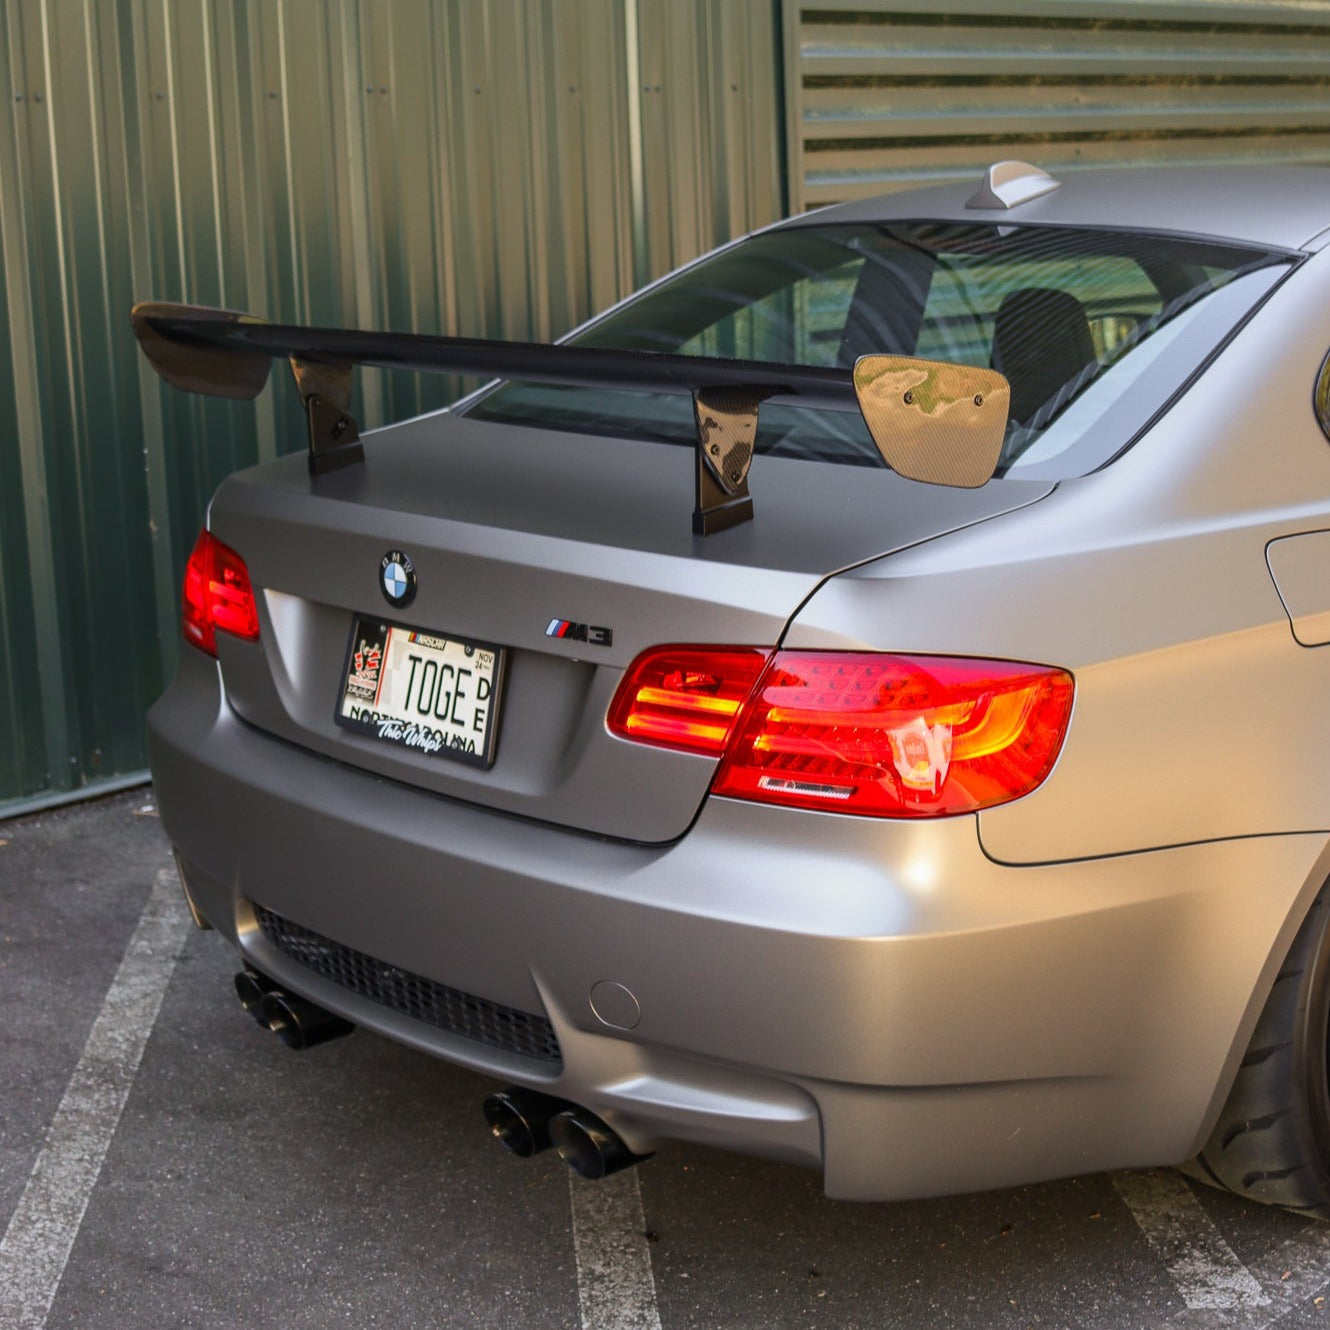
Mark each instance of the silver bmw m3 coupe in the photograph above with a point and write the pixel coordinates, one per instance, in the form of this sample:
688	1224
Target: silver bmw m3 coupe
863	701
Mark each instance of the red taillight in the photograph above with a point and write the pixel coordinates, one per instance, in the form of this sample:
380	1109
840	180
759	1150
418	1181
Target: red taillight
217	595
863	732
685	697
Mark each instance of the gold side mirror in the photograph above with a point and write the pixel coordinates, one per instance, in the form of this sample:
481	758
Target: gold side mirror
933	421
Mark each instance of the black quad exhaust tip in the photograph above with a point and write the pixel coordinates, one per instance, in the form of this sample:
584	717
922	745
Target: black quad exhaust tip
250	988
588	1146
298	1023
519	1119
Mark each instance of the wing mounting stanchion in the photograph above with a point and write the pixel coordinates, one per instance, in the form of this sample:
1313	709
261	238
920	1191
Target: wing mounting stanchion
334	435
726	422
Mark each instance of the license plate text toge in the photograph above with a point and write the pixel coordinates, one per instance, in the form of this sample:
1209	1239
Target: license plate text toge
423	690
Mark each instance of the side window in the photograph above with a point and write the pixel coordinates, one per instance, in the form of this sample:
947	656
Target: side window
1114	292
1118	297
958	315
801	323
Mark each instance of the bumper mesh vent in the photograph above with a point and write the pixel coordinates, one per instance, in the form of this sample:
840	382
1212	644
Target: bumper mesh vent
463	1014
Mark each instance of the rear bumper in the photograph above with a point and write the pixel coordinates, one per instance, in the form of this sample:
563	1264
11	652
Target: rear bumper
877	1000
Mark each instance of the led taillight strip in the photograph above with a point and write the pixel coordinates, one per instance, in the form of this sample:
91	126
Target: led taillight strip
863	732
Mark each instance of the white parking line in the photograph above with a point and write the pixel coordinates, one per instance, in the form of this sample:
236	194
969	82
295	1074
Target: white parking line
1295	1274
1207	1273
41	1233
614	1283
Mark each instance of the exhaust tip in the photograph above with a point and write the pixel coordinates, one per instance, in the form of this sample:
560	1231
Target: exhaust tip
519	1119
250	988
298	1023
588	1146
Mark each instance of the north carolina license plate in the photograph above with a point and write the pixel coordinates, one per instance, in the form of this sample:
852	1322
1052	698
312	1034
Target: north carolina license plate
423	690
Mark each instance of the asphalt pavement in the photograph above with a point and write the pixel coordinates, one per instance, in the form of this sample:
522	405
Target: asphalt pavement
164	1162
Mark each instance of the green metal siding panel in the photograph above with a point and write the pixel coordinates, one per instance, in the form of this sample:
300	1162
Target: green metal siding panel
77	447
489	167
881	96
22	742
708	98
24	737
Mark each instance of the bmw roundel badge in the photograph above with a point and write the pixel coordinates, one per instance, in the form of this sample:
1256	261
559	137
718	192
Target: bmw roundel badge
397	578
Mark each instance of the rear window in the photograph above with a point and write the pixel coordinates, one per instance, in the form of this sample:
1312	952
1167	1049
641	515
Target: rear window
1095	330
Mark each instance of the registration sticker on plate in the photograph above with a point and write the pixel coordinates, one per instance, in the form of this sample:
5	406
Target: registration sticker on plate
422	690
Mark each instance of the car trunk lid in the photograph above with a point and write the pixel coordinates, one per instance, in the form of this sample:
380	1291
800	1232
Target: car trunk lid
513	531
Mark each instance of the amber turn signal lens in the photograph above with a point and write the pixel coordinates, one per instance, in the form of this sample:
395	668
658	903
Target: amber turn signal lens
685	697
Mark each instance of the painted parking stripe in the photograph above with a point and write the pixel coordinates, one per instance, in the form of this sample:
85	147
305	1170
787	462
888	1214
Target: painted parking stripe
1207	1273
41	1233
1295	1273
614	1282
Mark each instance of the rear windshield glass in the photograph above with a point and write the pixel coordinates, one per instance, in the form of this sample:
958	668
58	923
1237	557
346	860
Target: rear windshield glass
1095	330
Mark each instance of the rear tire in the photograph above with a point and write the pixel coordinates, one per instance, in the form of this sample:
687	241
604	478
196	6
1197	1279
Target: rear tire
1272	1140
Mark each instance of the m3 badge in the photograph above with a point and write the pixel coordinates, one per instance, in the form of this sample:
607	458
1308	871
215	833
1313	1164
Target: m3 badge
569	631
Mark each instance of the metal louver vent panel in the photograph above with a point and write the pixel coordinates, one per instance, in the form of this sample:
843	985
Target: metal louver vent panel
883	96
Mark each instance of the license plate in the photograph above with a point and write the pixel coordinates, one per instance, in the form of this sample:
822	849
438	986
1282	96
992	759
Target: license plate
427	691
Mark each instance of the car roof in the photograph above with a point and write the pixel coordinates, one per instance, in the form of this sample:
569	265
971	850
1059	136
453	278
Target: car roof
1284	207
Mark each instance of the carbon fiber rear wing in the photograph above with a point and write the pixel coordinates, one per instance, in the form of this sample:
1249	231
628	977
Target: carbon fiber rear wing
935	422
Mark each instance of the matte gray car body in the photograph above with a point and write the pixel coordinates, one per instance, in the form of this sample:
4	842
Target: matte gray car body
1064	983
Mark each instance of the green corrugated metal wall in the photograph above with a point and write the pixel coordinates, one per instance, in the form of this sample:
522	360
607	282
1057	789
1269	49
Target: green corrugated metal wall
488	167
